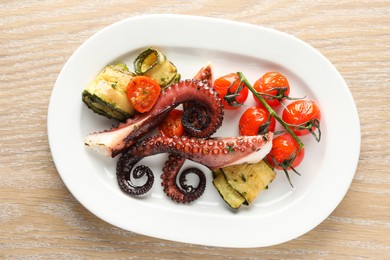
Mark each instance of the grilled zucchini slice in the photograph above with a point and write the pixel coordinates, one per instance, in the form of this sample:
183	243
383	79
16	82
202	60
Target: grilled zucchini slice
154	64
242	183
228	194
106	94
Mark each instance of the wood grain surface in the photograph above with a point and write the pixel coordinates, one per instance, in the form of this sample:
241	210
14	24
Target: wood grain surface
40	219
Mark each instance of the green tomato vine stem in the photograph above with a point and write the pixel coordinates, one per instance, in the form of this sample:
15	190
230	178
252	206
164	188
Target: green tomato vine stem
271	111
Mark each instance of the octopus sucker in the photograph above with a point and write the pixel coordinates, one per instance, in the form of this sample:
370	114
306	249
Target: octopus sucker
195	119
117	139
181	192
125	180
230	151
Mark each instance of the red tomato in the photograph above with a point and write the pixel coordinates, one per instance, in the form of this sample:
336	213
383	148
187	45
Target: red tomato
303	116
143	92
284	149
273	87
172	125
256	120
232	93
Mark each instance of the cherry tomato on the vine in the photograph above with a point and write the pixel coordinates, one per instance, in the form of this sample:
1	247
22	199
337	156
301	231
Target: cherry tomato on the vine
143	92
303	116
274	88
232	93
283	154
172	125
255	121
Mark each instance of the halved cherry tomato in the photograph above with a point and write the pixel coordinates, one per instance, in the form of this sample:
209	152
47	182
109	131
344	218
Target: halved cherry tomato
143	92
232	93
283	154
274	88
256	121
172	125
303	116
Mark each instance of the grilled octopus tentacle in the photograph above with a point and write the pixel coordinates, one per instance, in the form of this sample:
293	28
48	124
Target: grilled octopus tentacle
114	141
181	193
197	118
212	152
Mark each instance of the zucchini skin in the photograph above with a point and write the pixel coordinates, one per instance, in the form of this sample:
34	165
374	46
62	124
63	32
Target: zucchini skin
99	106
106	94
228	194
241	184
154	64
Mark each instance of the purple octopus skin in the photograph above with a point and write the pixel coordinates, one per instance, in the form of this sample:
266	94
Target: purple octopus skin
212	153
181	193
114	141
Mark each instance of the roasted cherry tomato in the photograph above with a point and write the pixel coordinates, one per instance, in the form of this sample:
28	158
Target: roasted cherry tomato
143	92
256	121
303	116
274	88
283	154
232	93
172	125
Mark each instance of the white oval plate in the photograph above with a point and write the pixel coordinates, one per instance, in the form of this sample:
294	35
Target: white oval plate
278	214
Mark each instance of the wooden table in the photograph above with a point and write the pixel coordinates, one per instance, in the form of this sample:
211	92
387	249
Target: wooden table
40	219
